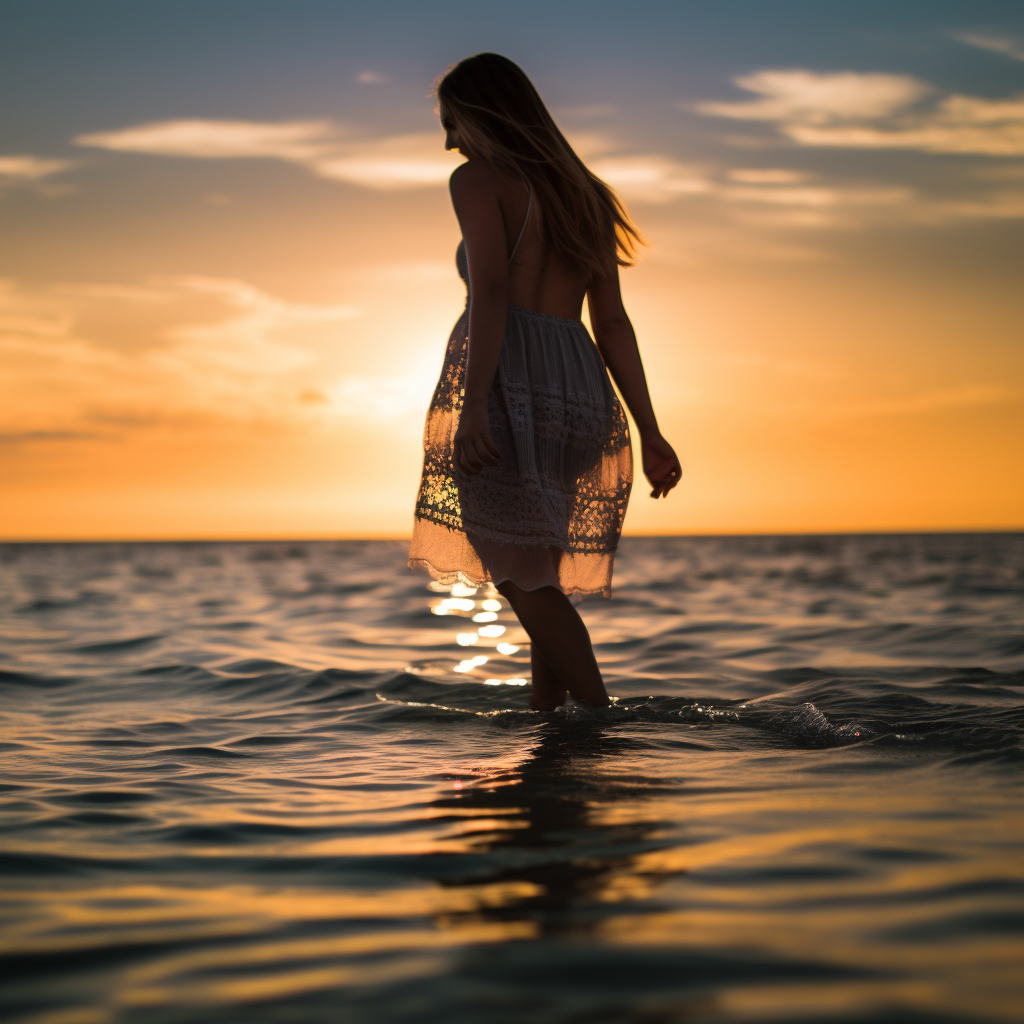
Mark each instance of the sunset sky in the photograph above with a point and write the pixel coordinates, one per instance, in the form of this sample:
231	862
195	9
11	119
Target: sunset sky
227	256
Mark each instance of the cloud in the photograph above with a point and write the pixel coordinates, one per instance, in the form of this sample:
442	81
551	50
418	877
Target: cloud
415	160
650	177
785	195
808	97
394	162
321	147
23	167
778	196
221	349
217	140
1006	45
246	345
818	197
372	78
872	111
22	170
814	110
767	175
1006	206
959	124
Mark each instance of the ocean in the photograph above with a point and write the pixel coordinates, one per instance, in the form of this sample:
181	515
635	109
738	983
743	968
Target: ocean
269	782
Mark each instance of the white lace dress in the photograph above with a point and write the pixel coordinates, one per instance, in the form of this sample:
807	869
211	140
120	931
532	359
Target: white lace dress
550	513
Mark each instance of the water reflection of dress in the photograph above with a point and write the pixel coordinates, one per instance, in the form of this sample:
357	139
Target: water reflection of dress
550	513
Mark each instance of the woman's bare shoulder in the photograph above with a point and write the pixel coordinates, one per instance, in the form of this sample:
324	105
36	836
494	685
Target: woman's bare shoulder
475	177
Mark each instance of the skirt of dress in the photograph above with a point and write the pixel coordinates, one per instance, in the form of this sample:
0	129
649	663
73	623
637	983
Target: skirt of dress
550	513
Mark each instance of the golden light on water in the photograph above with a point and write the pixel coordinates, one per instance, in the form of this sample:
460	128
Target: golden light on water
264	779
462	603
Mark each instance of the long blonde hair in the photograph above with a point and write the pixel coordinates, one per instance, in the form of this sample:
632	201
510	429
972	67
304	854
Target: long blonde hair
501	117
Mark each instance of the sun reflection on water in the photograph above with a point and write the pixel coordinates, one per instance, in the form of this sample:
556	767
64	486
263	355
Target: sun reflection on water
462	601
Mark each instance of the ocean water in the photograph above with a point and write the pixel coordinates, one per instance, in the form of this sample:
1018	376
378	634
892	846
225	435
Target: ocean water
259	782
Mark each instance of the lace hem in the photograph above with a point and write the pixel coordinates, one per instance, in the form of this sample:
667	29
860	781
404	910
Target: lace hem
550	512
451	577
451	556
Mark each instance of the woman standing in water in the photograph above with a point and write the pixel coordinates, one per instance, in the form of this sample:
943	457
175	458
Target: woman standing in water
527	463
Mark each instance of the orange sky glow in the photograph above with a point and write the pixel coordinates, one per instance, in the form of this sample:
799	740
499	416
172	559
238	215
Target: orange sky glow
230	325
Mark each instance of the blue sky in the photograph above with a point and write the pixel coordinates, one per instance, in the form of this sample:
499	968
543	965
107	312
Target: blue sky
80	66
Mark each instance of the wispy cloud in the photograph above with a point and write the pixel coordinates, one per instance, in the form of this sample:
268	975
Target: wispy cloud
33	172
876	111
809	97
845	109
220	351
24	167
243	358
817	197
650	177
321	147
296	141
394	162
783	196
794	197
779	196
405	161
249	344
959	124
1008	46
767	175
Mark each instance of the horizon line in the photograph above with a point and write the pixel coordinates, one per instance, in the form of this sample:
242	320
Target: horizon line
322	539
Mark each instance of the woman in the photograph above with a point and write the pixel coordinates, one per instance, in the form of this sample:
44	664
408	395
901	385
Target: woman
527	464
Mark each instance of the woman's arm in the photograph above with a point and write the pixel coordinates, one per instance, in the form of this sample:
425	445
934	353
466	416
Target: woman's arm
616	341
475	198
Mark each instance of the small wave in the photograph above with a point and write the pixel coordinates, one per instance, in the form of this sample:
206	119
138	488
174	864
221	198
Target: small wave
808	725
215	752
905	720
105	798
269	741
116	646
33	679
57	604
253	666
423	711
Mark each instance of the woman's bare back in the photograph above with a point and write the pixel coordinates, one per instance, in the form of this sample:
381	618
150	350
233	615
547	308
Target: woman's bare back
538	279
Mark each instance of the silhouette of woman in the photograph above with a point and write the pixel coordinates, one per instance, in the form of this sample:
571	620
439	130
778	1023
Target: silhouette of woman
527	462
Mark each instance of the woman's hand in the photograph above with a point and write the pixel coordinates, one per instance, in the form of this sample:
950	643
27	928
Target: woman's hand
474	446
661	466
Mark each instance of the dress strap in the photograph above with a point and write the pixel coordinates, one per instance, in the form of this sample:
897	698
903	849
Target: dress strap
529	210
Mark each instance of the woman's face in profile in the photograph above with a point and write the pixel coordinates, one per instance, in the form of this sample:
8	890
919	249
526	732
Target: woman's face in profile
451	133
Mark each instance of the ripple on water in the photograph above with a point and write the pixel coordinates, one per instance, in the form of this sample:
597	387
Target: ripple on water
264	781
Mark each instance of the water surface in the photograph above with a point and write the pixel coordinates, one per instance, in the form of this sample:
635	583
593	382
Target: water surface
266	782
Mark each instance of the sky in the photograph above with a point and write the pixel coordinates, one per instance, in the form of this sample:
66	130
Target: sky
227	256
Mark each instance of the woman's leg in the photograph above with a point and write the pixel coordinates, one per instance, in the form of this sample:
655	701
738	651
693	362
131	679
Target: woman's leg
561	640
548	692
